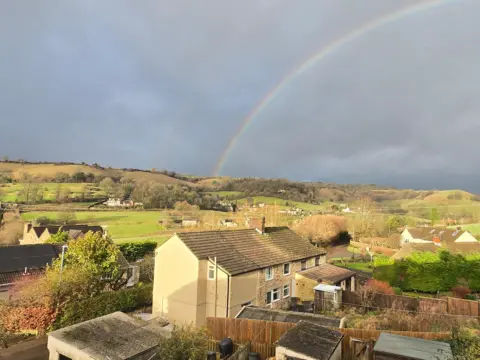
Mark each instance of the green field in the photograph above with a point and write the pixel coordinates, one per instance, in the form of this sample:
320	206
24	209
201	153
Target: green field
282	203
473	228
122	225
16	192
361	266
224	194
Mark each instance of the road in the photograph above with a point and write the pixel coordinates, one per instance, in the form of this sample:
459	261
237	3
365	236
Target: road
34	349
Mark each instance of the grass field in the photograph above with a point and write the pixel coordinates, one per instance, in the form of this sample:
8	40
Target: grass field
473	228
281	203
361	266
224	194
126	225
13	192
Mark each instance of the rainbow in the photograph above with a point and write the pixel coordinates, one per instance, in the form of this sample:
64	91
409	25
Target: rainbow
315	58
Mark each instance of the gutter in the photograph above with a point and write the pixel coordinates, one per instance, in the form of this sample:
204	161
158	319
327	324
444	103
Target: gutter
227	311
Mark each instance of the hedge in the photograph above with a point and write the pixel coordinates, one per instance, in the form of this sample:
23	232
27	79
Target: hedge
103	304
429	272
137	250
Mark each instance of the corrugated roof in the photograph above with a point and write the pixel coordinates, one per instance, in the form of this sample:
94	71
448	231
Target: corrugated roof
327	272
412	348
240	251
312	340
260	313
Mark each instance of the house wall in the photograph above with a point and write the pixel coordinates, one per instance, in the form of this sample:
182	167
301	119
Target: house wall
29	237
57	347
44	237
304	288
243	289
175	287
408	238
466	237
281	353
207	290
279	280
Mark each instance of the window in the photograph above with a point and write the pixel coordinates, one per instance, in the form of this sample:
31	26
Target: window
304	264
286	269
317	261
286	290
211	272
273	295
276	294
269	273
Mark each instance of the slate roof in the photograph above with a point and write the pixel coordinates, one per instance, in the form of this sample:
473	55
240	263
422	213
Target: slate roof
446	235
19	257
312	340
240	251
412	348
75	230
260	313
327	272
115	336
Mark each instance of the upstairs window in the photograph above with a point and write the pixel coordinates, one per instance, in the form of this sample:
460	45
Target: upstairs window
211	272
317	261
286	290
286	269
269	273
303	265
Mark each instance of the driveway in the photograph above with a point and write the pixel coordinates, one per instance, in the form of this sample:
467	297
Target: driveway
340	251
34	349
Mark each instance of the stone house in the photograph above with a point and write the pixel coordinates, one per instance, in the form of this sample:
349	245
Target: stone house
440	236
216	273
41	234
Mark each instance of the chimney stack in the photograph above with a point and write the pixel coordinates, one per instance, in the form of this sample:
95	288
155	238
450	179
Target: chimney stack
258	224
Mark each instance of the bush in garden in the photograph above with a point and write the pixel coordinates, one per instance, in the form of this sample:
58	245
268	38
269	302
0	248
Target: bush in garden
460	291
379	287
137	250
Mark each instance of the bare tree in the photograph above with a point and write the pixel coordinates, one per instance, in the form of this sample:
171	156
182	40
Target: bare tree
321	229
147	267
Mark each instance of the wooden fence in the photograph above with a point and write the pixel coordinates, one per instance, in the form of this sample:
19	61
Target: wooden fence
262	335
451	306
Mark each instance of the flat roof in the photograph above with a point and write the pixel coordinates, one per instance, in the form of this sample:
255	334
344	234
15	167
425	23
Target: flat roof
412	348
259	313
115	336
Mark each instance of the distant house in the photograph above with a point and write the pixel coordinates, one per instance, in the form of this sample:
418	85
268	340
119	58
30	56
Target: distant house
125	203
22	262
438	235
113	336
397	347
216	273
309	341
40	234
190	222
347	210
228	223
434	239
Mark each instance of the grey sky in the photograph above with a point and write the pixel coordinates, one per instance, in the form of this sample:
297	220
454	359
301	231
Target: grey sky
167	84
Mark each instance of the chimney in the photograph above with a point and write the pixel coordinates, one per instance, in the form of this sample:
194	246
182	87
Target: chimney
258	224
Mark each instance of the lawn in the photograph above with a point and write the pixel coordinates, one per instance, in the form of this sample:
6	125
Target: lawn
131	225
361	266
473	228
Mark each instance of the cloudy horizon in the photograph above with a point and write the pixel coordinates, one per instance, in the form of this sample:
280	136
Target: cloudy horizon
168	84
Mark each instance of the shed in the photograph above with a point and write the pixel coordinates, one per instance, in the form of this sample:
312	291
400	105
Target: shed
396	347
310	341
115	336
327	297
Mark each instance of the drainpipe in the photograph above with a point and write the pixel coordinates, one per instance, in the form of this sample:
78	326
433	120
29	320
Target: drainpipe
228	295
216	281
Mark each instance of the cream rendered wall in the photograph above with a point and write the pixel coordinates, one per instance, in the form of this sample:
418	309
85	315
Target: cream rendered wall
466	237
209	286
242	290
304	288
175	286
29	238
281	353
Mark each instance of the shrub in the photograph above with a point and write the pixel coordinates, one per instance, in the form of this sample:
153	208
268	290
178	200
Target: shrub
16	319
105	303
186	342
379	287
460	291
137	250
470	297
397	291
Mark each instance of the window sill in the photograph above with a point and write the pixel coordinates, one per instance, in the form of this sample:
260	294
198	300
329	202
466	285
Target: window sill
286	296
269	279
286	274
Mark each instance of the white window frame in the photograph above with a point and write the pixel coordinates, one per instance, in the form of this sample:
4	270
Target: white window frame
271	273
286	286
278	294
289	269
211	267
266	297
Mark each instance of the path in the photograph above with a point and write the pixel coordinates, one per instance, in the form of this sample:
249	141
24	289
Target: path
34	349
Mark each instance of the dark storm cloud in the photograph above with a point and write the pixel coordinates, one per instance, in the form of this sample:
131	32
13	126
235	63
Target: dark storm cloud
166	84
